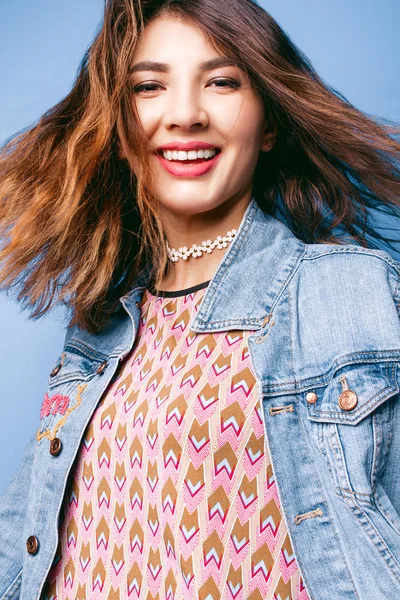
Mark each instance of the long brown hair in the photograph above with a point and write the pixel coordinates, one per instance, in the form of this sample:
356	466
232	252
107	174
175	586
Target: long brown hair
78	220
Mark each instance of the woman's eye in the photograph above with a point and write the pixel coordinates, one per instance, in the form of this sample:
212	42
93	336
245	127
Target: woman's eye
144	87
227	83
152	87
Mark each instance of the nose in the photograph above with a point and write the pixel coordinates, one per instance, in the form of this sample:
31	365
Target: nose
185	109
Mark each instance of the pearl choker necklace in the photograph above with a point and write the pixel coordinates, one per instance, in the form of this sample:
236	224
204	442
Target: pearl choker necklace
197	250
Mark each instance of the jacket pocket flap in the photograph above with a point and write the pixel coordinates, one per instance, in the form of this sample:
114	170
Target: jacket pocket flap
73	366
354	391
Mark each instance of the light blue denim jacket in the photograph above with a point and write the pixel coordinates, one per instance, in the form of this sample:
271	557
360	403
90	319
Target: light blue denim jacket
325	351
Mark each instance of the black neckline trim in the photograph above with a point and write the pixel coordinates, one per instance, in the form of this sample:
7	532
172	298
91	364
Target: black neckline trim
177	293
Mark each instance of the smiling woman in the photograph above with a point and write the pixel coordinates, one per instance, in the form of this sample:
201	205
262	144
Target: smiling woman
87	176
223	420
189	98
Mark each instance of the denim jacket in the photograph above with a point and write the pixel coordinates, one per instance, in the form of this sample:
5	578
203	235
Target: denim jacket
325	350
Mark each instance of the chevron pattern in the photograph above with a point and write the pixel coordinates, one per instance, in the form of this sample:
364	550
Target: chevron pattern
172	495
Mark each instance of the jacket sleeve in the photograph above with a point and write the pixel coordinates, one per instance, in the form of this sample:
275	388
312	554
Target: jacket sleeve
390	478
13	504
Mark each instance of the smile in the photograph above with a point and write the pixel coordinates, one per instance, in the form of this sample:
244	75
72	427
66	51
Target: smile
193	163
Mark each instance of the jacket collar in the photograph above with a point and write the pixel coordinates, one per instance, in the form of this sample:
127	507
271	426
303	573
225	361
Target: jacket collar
250	278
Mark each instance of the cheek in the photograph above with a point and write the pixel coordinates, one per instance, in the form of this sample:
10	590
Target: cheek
147	114
242	124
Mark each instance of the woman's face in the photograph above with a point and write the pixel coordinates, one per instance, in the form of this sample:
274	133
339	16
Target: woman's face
180	100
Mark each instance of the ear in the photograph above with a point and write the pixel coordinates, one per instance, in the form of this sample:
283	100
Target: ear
270	134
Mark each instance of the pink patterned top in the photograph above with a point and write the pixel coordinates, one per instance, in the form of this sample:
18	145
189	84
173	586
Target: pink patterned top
172	495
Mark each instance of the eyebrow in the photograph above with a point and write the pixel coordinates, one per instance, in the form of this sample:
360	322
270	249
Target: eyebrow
208	65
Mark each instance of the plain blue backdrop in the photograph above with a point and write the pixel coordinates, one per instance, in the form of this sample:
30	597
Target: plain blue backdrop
354	46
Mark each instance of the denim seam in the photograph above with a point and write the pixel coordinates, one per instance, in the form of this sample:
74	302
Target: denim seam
355	250
13	587
227	260
374	535
85	350
390	433
342	469
397	295
69	377
291	331
321	380
377	453
303	433
377	397
386	516
257	321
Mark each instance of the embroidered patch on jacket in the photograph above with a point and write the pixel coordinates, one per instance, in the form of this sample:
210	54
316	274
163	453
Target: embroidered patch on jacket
57	404
53	405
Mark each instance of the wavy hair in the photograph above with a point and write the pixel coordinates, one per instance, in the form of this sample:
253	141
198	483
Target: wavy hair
77	218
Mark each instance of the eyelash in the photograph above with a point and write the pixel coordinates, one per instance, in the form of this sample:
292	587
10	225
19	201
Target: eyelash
233	83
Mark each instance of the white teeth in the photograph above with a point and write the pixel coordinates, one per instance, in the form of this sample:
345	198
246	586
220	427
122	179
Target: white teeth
191	155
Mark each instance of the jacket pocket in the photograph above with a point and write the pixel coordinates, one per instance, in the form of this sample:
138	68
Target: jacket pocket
352	423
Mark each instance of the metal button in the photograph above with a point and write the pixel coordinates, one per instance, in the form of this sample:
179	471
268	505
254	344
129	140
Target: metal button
55	370
348	400
55	446
137	303
311	397
102	368
32	544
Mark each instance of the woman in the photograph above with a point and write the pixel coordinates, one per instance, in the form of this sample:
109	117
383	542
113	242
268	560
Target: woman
223	419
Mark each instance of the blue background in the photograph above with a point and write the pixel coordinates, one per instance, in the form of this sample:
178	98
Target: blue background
354	46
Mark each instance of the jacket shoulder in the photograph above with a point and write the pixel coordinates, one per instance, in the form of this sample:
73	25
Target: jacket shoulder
353	267
351	294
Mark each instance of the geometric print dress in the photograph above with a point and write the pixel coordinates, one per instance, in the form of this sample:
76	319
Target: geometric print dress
172	494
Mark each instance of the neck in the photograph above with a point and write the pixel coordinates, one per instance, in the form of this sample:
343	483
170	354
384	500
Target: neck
182	274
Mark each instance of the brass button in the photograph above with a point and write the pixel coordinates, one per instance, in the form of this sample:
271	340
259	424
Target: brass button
55	446
348	400
32	544
102	368
55	370
311	397
137	303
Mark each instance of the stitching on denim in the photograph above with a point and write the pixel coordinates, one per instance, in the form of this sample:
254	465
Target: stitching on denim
364	520
71	376
368	407
54	404
318	381
291	333
377	439
14	585
396	296
81	348
242	240
347	418
339	458
390	433
355	250
327	515
51	434
386	515
259	321
277	483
